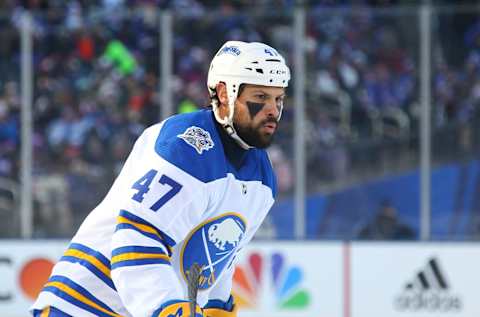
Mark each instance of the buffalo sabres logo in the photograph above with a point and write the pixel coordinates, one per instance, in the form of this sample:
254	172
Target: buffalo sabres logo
225	232
198	138
213	244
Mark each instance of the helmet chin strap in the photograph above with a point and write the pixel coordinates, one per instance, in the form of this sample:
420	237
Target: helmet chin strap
233	134
227	124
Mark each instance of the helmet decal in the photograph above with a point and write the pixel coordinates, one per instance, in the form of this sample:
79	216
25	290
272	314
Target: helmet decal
229	50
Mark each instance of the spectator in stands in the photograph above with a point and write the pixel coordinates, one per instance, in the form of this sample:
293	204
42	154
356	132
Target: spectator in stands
359	52
386	225
283	169
8	126
69	130
9	140
328	157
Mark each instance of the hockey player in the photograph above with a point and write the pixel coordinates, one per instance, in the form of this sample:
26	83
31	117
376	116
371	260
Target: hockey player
194	189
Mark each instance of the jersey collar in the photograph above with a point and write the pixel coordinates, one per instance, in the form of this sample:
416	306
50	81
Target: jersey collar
234	153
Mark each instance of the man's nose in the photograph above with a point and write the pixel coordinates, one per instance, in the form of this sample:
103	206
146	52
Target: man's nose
271	109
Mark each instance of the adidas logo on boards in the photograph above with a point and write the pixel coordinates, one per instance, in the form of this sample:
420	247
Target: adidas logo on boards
429	291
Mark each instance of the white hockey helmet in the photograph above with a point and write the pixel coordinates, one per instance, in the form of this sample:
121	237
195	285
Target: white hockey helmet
239	63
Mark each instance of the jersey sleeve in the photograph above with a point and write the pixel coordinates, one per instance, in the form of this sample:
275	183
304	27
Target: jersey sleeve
157	205
221	293
223	288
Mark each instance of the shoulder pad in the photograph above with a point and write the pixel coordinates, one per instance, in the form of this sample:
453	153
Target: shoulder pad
190	142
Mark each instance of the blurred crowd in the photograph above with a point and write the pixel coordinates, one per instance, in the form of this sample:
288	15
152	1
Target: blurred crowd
96	86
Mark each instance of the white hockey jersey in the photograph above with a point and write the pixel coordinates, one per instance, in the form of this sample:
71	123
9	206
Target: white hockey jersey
178	200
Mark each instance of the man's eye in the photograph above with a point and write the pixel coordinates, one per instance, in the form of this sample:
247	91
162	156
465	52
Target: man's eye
263	97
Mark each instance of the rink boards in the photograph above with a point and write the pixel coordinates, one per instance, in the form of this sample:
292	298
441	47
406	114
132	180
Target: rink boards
304	279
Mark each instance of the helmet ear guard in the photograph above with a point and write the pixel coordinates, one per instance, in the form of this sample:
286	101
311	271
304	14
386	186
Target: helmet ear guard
239	63
232	93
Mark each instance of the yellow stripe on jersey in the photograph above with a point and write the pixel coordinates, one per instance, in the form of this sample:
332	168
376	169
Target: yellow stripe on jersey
136	256
45	312
93	260
90	258
127	220
147	230
137	225
76	295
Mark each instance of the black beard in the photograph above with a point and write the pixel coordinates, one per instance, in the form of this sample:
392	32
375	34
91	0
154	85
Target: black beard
252	136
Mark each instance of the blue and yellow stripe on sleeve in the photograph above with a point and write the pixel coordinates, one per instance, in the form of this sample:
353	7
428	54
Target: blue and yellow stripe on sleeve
49	312
91	259
138	255
127	220
76	295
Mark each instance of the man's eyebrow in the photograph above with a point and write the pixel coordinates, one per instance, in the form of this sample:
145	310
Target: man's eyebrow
266	93
259	90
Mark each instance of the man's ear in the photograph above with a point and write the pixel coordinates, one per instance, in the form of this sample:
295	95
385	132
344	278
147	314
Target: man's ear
222	96
222	93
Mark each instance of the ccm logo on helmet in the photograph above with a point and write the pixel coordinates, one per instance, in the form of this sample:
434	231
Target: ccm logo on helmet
278	72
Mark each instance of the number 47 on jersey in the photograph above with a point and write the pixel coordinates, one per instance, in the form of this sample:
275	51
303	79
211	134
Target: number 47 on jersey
142	186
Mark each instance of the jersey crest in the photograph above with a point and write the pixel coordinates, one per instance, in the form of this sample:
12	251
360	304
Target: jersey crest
212	245
198	138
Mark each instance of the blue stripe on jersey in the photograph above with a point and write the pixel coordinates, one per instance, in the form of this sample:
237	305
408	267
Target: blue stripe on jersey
169	242
93	260
76	295
155	237
217	303
50	312
137	249
91	251
106	279
211	164
138	255
137	262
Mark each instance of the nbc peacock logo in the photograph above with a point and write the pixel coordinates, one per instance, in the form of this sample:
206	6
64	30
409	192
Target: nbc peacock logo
274	276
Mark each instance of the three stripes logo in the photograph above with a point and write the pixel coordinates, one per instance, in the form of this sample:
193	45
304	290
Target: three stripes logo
428	291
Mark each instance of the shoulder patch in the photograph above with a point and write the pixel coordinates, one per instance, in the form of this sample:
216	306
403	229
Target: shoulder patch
198	138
